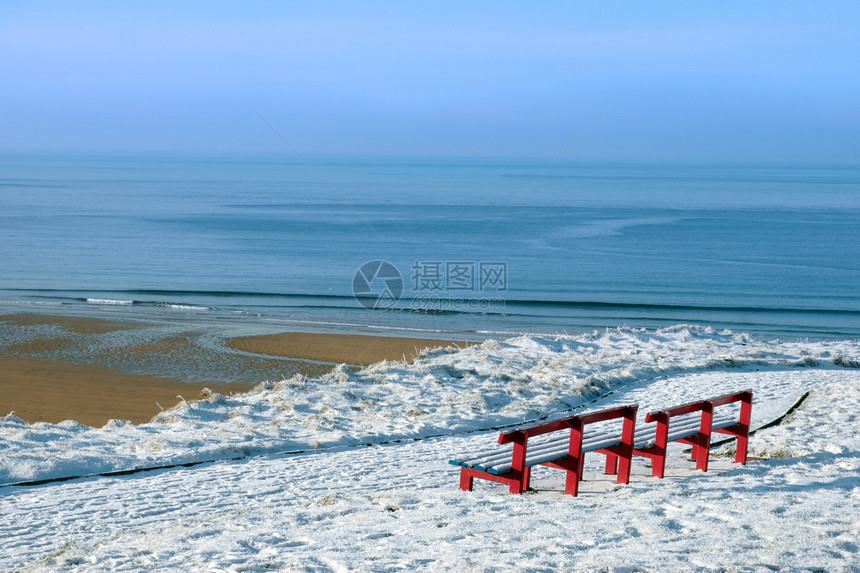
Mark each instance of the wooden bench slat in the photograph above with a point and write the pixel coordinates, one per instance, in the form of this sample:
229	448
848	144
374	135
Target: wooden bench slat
645	437
559	453
503	453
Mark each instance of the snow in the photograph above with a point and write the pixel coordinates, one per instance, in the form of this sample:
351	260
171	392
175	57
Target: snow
395	505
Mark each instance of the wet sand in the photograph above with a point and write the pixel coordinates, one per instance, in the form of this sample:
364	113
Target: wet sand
75	324
339	348
40	390
55	368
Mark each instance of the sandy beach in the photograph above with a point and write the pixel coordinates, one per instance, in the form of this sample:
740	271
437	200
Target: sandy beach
338	348
40	390
91	370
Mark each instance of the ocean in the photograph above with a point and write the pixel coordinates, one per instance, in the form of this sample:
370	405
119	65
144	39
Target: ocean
460	249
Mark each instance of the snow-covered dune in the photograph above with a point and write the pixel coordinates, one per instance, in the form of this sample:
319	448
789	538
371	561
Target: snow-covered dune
396	507
445	392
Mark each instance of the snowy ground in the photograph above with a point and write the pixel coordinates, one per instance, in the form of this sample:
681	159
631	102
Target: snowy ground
396	506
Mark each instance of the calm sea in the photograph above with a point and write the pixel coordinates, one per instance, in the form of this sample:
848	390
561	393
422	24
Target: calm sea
470	248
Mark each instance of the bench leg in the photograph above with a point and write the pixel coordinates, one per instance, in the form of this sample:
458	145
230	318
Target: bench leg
741	433
702	459
571	482
741	450
611	464
741	447
518	484
700	450
574	472
658	465
704	451
466	480
624	470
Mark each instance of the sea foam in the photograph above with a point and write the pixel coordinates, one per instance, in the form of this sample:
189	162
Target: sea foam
109	301
444	391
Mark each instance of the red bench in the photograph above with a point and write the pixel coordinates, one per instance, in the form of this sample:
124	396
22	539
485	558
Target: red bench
567	451
652	442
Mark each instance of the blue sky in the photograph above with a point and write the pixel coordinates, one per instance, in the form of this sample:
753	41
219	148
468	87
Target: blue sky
764	81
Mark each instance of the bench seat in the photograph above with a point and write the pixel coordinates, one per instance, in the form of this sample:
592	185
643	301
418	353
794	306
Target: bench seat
499	461
646	437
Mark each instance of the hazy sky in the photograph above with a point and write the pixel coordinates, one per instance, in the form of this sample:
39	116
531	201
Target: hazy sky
774	81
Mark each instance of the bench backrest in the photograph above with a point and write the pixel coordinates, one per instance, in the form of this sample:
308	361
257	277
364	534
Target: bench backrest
627	412
706	407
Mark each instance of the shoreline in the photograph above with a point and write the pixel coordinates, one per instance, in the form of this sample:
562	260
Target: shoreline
91	370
